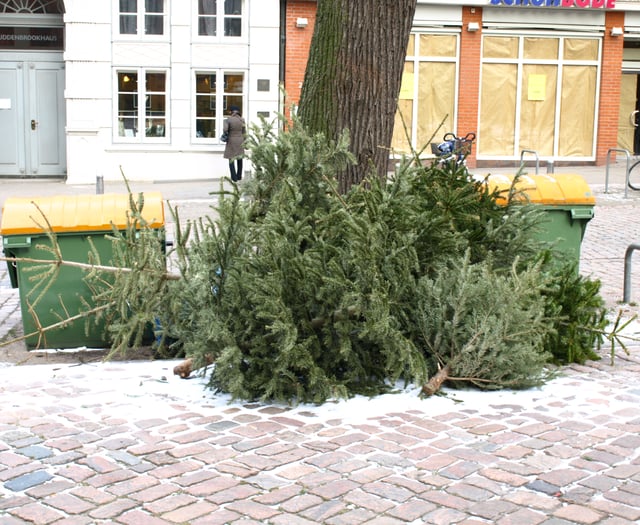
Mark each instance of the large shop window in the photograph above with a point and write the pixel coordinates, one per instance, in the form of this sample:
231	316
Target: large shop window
428	92
538	93
220	17
141	17
216	92
141	106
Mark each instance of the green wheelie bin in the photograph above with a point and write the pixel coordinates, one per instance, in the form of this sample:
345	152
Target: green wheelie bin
79	224
566	199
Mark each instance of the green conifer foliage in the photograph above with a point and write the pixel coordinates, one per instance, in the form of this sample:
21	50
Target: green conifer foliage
299	293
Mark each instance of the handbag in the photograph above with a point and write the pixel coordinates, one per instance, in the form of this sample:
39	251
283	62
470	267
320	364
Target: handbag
225	136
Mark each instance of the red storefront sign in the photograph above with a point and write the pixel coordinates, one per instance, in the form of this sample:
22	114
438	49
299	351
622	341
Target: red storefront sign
584	4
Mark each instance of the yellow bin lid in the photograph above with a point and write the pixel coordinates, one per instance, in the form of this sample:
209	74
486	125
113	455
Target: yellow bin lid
78	213
557	190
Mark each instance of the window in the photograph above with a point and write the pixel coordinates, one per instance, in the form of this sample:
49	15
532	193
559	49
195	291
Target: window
216	92
141	17
428	93
538	92
141	105
220	17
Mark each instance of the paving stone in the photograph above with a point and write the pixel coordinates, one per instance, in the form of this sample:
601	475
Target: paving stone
28	480
35	452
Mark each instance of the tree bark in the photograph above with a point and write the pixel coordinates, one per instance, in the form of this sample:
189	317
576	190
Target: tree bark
353	77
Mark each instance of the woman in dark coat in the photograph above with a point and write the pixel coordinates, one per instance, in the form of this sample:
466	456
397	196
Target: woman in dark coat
236	129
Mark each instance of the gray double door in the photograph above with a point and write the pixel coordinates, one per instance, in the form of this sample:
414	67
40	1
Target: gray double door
32	119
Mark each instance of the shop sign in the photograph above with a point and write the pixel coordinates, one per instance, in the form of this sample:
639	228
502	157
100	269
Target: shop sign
31	38
587	4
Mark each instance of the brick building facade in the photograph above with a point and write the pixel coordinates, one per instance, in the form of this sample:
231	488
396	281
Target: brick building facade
555	78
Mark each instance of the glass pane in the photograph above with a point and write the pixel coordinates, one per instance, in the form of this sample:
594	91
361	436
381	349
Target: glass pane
128	6
205	128
436	101
438	45
205	83
153	24
206	106
155	127
232	27
127	127
498	114
128	24
233	83
155	81
401	141
542	48
128	82
232	7
207	7
580	49
538	108
500	47
626	130
577	111
207	26
155	105
411	47
127	104
153	6
231	100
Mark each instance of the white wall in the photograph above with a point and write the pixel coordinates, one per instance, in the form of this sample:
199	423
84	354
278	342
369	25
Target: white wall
94	50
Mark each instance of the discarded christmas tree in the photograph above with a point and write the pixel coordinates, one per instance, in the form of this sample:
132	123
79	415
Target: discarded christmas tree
299	293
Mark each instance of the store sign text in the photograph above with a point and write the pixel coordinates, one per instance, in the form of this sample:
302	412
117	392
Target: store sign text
18	38
593	4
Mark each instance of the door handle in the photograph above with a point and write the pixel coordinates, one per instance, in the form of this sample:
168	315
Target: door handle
632	118
34	124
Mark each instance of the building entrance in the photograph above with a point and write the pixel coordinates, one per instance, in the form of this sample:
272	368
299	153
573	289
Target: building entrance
32	118
629	120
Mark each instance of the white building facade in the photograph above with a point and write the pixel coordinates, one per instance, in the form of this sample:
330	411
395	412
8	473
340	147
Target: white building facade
101	88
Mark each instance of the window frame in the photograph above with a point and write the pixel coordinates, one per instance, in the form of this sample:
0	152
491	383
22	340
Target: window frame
520	62
220	98
221	18
142	116
417	59
141	15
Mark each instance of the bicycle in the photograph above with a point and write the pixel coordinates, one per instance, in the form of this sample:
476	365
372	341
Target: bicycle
635	165
453	149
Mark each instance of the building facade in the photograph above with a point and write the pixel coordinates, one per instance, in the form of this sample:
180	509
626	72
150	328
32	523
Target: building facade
93	88
552	79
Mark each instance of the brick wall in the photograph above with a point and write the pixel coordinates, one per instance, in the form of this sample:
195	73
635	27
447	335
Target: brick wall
610	80
469	87
297	47
299	41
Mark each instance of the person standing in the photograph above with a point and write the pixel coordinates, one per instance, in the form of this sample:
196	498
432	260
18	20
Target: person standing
236	130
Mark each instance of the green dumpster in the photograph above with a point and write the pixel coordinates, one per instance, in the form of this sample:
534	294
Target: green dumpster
567	201
78	222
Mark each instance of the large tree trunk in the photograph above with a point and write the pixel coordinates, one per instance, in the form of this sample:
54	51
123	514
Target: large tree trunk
353	77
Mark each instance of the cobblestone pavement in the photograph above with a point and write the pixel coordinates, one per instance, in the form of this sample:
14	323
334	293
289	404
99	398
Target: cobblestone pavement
128	443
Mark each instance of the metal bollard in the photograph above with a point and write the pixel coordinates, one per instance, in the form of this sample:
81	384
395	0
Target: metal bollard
550	167
99	185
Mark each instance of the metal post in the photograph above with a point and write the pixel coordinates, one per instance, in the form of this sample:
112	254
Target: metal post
532	152
626	178
550	167
99	185
626	293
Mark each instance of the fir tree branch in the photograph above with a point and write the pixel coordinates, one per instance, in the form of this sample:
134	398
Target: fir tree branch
41	330
87	266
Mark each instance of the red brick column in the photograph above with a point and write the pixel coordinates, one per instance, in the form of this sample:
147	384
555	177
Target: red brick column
469	88
298	42
611	76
